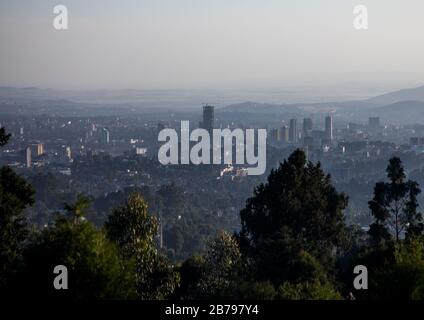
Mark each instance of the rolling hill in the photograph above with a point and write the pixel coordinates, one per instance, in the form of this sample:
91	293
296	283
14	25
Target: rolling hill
414	94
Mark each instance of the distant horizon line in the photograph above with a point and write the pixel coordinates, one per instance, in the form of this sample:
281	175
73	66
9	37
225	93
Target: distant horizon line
213	88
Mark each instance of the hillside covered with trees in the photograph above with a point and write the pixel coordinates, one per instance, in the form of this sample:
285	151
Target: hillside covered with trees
293	243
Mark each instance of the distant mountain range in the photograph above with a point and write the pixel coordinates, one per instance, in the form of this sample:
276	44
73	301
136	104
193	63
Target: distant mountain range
254	107
415	94
403	106
403	112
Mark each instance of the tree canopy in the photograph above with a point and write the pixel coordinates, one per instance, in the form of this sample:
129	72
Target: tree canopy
134	231
395	206
15	195
296	214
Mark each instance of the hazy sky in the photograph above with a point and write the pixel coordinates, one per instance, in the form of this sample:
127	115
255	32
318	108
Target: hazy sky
147	44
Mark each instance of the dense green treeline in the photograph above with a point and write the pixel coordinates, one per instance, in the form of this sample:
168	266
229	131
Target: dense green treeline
293	244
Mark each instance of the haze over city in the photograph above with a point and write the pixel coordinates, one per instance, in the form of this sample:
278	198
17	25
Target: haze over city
233	45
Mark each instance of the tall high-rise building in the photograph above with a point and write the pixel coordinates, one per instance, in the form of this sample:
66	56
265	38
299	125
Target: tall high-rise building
275	134
37	149
329	128
307	127
373	123
105	136
92	129
28	157
68	153
284	133
208	118
293	132
40	149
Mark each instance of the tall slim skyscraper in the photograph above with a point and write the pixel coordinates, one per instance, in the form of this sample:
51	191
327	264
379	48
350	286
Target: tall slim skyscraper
105	136
329	128
284	133
293	133
208	118
307	126
40	149
28	157
68	153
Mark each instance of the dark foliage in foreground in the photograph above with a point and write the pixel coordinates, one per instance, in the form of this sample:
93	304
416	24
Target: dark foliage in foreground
294	244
